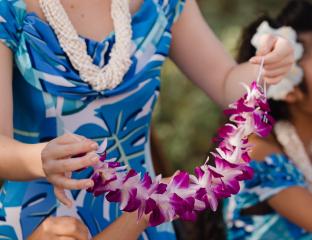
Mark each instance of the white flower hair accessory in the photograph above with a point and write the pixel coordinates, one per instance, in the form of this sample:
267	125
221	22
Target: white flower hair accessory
295	76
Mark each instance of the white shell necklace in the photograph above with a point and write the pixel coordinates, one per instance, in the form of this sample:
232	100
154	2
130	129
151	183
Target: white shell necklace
287	136
111	75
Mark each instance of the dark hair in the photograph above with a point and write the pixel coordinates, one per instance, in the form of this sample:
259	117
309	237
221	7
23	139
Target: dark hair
296	14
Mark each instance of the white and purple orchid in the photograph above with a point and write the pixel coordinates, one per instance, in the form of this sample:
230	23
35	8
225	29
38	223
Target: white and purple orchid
186	195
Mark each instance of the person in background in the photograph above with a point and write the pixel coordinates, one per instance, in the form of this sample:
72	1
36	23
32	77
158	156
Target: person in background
277	202
58	74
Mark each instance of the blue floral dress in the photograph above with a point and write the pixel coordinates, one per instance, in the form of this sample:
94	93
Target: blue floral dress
271	176
50	98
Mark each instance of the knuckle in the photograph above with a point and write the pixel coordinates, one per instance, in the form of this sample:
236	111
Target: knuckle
47	224
44	154
74	224
46	169
66	135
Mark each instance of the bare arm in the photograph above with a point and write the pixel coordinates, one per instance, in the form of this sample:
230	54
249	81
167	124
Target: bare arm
18	161
201	56
293	203
124	228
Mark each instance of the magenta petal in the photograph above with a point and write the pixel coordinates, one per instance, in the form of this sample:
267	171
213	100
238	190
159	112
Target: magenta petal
246	157
247	173
181	180
222	163
150	205
130	174
133	203
114	196
215	174
103	157
161	188
199	172
210	201
157	217
225	131
233	186
189	216
114	164
146	181
200	193
262	123
179	205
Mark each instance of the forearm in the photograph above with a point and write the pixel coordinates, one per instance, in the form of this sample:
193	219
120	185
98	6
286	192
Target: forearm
124	228
207	64
294	203
232	88
203	59
19	161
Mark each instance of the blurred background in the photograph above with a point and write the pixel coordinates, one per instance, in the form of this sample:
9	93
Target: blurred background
186	120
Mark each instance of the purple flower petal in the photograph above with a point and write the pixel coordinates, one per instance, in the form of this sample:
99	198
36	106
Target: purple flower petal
181	180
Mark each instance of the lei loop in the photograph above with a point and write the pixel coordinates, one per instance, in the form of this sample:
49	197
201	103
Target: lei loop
186	194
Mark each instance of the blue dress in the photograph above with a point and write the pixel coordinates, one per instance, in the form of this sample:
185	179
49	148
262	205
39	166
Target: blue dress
271	176
50	98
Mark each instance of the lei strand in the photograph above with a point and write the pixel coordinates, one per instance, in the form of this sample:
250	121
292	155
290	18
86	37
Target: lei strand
185	195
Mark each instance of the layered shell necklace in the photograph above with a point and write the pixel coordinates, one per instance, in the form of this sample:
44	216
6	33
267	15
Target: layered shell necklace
112	74
288	137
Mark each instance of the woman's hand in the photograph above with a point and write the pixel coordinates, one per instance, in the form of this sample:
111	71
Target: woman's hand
60	228
58	163
278	55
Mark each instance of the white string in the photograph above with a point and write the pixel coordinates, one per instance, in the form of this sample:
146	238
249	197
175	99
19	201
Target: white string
260	75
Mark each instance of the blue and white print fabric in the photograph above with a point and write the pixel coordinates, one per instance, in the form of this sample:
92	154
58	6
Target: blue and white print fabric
50	98
271	176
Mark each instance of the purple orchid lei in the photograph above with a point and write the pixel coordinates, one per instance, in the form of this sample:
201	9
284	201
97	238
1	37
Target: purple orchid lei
186	195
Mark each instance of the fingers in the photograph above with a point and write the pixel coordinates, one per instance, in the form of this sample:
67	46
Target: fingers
273	80
68	145
285	63
274	73
61	196
69	138
282	51
71	164
278	56
61	151
63	182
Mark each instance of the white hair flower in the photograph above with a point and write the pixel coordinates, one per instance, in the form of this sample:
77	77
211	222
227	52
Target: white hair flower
295	76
